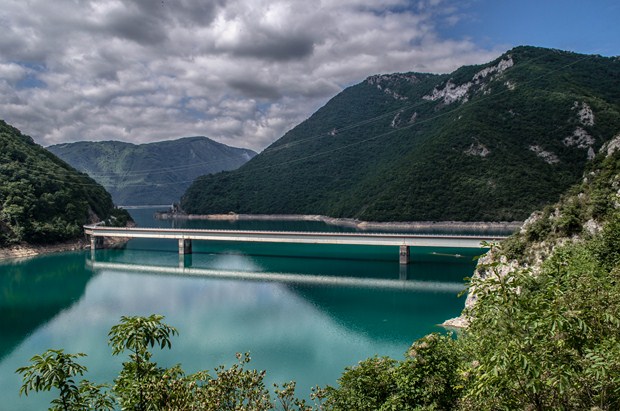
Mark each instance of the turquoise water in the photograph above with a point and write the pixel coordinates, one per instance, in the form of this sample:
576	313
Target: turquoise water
303	312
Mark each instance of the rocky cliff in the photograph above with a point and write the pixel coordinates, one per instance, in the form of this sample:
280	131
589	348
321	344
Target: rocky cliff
581	215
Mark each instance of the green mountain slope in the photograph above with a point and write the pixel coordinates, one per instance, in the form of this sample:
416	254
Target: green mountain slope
154	173
42	198
542	317
484	143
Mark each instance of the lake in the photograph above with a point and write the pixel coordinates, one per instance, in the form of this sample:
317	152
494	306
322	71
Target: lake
304	312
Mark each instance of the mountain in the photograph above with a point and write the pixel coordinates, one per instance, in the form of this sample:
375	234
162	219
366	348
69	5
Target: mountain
154	173
490	142
43	199
542	318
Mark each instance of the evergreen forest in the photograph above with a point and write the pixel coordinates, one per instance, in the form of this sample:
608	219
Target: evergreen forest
492	142
43	200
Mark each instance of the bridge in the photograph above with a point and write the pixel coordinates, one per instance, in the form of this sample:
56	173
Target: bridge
186	236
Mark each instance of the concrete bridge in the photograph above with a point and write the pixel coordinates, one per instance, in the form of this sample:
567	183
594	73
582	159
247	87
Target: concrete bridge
186	236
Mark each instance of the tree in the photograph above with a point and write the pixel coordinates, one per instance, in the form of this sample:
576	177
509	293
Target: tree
138	335
143	385
545	341
55	369
427	379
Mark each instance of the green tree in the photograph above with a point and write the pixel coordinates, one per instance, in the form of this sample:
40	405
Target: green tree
427	379
143	385
138	335
55	369
545	341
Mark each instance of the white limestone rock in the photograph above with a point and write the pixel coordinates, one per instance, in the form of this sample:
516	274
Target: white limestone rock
579	138
477	149
584	112
510	85
396	120
547	156
499	68
451	92
611	146
384	80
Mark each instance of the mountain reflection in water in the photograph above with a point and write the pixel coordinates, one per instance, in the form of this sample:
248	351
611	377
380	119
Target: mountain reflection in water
33	291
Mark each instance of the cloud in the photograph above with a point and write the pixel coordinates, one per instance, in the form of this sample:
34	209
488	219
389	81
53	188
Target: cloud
239	72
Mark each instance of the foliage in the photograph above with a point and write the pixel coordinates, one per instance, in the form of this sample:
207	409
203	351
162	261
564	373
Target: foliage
143	385
138	335
154	173
55	369
543	335
379	151
119	217
592	200
426	380
546	341
42	199
536	342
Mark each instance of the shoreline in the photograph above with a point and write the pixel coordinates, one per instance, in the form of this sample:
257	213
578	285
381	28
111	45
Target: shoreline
25	250
505	226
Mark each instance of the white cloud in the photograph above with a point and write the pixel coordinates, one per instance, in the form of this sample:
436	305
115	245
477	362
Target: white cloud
239	72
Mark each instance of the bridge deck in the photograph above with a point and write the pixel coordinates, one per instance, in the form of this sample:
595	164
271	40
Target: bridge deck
185	236
350	238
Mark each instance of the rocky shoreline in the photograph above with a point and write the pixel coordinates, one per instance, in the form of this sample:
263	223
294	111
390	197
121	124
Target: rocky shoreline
25	250
503	226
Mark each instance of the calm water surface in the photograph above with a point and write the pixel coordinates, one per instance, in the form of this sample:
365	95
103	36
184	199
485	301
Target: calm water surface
303	312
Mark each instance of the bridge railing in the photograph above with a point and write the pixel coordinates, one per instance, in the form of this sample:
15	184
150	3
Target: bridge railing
185	237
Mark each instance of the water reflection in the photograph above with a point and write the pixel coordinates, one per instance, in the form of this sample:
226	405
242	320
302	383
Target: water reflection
303	318
226	267
33	291
375	299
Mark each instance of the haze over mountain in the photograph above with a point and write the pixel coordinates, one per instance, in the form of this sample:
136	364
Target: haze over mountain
154	173
484	143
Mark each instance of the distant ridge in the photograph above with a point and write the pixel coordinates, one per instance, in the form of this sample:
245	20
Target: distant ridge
153	173
491	142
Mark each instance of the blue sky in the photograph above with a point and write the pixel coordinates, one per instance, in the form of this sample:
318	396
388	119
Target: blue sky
590	27
243	72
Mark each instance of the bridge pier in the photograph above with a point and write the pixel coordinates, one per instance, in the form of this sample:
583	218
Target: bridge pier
404	255
185	246
96	242
185	260
402	272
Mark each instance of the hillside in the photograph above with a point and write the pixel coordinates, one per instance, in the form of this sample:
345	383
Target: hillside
485	143
154	173
43	200
543	318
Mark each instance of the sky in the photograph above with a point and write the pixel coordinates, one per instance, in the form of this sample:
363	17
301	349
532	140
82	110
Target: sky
243	72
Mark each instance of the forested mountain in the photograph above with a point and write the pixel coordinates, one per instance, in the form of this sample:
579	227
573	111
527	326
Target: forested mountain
42	198
544	317
484	143
154	173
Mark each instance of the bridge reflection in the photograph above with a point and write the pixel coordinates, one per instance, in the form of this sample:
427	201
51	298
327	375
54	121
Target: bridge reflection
401	283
